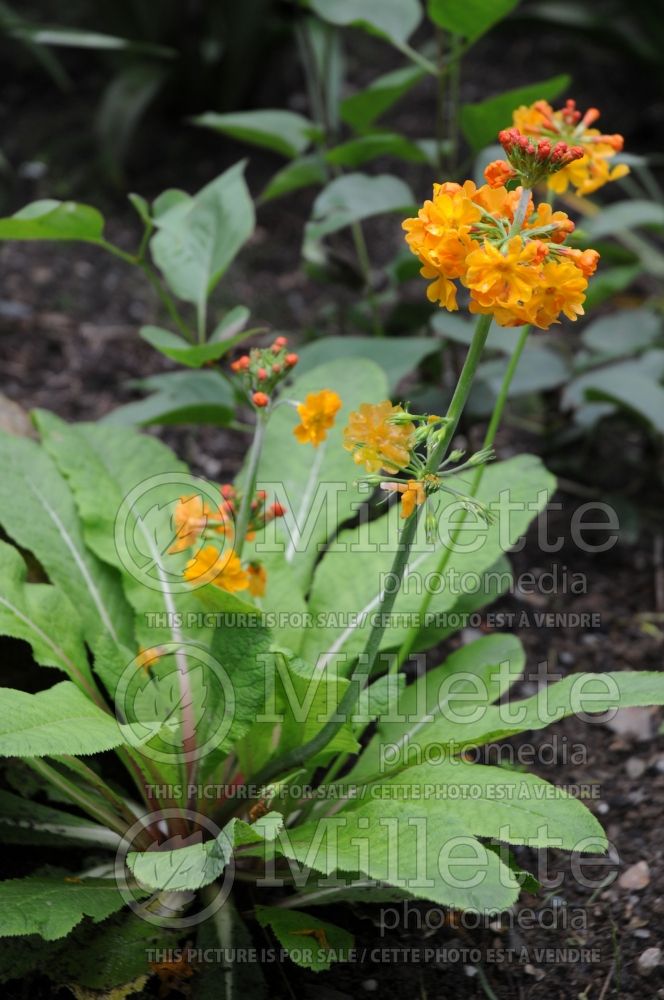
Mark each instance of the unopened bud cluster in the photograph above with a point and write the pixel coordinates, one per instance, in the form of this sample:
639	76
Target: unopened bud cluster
533	159
263	368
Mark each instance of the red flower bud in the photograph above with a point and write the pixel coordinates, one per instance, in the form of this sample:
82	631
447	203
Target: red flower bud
280	342
276	368
260	399
277	509
291	360
262	374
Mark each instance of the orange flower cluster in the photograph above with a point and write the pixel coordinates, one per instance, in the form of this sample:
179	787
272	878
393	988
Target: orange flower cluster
592	170
194	518
508	254
317	415
378	438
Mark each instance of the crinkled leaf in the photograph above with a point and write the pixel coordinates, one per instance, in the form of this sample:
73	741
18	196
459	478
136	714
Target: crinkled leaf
52	907
311	943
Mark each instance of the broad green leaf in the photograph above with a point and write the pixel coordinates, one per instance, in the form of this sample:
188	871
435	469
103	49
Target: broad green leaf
285	132
126	486
54	220
397	356
355	197
316	485
469	18
395	19
60	720
199	236
365	148
311	943
481	122
347	584
301	173
471	678
172	345
179	398
362	109
453	327
196	865
624	215
578	694
23	821
404	844
623	333
52	906
308	699
540	370
38	512
40	614
633	385
511	806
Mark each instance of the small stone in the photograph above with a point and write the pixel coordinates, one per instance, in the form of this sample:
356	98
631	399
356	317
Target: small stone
635	767
636	876
532	971
370	985
649	960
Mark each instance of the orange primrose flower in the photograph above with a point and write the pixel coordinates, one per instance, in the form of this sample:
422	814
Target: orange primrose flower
222	569
257	579
498	173
317	415
376	440
412	495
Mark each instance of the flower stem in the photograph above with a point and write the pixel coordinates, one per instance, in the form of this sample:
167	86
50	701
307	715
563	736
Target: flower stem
494	423
300	755
249	484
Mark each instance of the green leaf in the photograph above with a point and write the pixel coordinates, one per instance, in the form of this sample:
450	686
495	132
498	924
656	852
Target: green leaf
25	822
540	370
181	350
203	397
415	852
305	172
51	907
40	614
317	486
284	132
355	197
38	512
311	943
196	865
397	356
54	220
510	806
622	216
365	148
469	18
577	694
623	333
394	19
348	578
199	236
79	39
481	122
61	720
362	109
633	385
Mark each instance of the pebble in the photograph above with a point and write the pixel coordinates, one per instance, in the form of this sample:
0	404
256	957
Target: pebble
648	960
635	767
370	985
636	876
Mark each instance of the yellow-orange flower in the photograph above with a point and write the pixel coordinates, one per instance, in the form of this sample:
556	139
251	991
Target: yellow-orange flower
412	495
593	170
376	440
190	519
148	657
498	173
317	415
504	278
257	579
562	289
222	569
